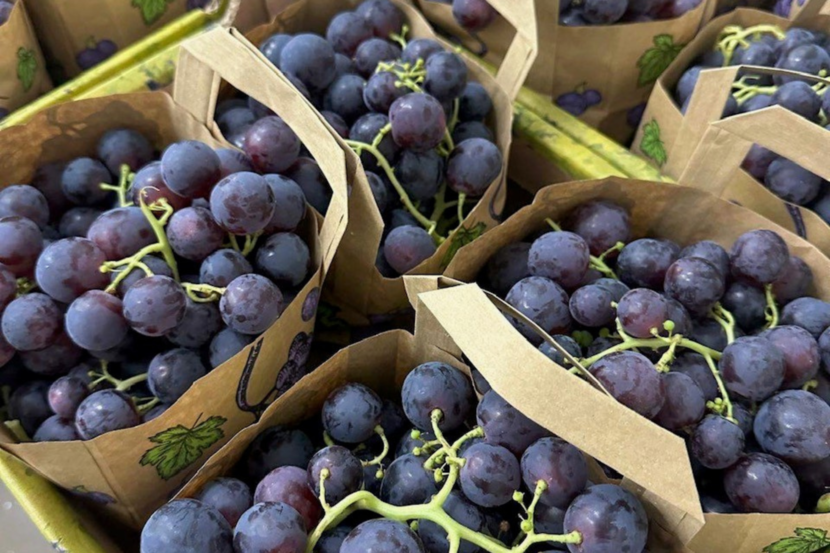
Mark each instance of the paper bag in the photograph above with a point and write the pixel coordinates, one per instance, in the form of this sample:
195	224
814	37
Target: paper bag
358	292
666	136
78	34
620	62
23	75
460	321
684	215
130	472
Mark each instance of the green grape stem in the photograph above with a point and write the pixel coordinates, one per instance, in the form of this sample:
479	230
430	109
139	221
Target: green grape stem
143	405
724	400
99	377
379	459
733	36
125	181
771	311
24	286
202	293
726	320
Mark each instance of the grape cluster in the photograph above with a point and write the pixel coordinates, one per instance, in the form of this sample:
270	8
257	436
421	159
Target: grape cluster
405	106
125	278
460	476
575	13
797	49
724	348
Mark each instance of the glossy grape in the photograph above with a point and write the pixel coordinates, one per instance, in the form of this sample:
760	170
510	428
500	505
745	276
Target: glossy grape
310	178
437	386
446	76
351	413
31	322
794	282
55	429
473	165
544	302
752	368
644	262
76	221
747	304
418	122
284	258
105	411
121	232
346	31
610	520
591	306
632	380
345	473
560	465
66	394
717	442
420	173
801	354
20	244
251	304
695	283
95	321
372	52
642	310
794	425
695	367
200	323
289	485
761	483
118	147
222	266
490	475
190	168
271	145
758	256
473	15
229	496
242	203
365	130
26	201
789	181
171	373
194	234
154	305
685	403
29	404
186	526
601	224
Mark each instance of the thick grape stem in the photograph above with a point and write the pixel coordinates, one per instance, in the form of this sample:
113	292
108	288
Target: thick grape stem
125	181
379	458
723	403
400	38
142	405
202	293
771	311
663	365
127	265
726	320
744	90
810	385
324	475
327	439
733	36
99	377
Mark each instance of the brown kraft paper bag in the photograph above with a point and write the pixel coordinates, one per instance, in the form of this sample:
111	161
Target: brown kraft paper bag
23	75
666	136
685	215
130	472
356	288
78	34
461	320
621	62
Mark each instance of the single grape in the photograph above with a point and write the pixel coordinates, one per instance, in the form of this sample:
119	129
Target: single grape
437	386
222	266
506	426
811	314
66	394
271	145
190	168
337	123
56	429
365	130
251	304
717	442
591	306
632	380
747	304
446	76
752	368
76	221
173	372
695	367
345	473
460	510
69	267
384	17
806	58
229	496
794	282
186	526
289	485
695	283
601	224
95	321
194	234
29	404
82	179
407	482
200	323
710	333
761	483
272	47
560	256
507	267
568	343
789	181
420	174
381	91
289	207
310	58
121	232
105	411
794	425
270	527
310	178
351	413
226	344
346	31
758	256
284	258
407	247
345	97
31	322
685	403
642	310
475	103
560	465
800	351
544	302
233	122
473	165
372	52
382	536
154	305
47	179
26	201
490	475
20	244
242	203
798	97
644	262
418	122
118	147
473	15
609	518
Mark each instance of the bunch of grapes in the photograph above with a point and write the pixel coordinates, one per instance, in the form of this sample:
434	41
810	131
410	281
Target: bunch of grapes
124	279
797	49
406	107
471	476
725	349
578	13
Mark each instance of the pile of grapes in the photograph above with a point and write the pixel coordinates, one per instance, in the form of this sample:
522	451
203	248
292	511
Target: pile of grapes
799	50
124	280
405	106
723	348
578	13
472	476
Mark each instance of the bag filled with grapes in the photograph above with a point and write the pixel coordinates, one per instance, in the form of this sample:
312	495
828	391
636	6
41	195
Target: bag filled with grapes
432	129
23	75
678	112
598	59
159	291
392	447
697	314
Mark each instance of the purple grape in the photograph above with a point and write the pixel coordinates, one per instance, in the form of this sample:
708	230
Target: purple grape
47	179
20	245
190	168
337	123
76	221
420	174
222	266
345	473
507	267
446	76
560	465
226	344
56	429
121	232
69	267
644	262
462	511
790	182
473	166
26	201
758	159
807	58
601	224
119	147
229	496
154	305
604	12
568	343
310	178
811	314
365	130
717	442
471	129
752	368
251	304
473	15
270	527
271	145
632	380
284	258
351	413
384	17
761	483
794	282
187	525
105	411
420	48
310	58
418	122
544	302
406	482
289	485
794	425
506	426
747	303
560	256
407	247
685	403
95	321
273	45
437	386
53	360
29	404
591	306
31	322
82	179
173	372
800	351
346	31
382	535
277	447
610	520
157	266
372	52
66	394
242	203
332	540
194	234
695	367
200	323
758	256
475	103
289	207
489	475
640	311
695	283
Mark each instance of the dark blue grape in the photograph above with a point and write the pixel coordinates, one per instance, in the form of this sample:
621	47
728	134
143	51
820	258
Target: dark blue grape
506	426
372	52
56	429
277	447
471	129
460	510
226	344
154	305
407	247
632	380
790	182
695	367
420	48
345	97
490	475
446	76
222	266
310	178
544	302
382	536
794	425
420	173
229	496
186	526
190	168
345	473
610	520
437	386
82	179
310	58
251	304
685	403
473	166
811	314
752	368
365	130
761	483
200	323
24	201
717	442
173	372
284	258
475	103
118	147
351	413
560	466
273	45
242	203
794	282
29	404
644	262
407	482
346	31
105	411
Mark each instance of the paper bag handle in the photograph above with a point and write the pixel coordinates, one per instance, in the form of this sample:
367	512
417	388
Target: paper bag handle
225	54
567	405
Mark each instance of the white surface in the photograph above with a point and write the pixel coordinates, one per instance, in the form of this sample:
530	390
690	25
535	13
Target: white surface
17	533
